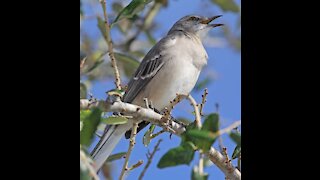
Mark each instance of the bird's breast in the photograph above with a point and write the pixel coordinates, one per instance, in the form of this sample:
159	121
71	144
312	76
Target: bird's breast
179	74
175	77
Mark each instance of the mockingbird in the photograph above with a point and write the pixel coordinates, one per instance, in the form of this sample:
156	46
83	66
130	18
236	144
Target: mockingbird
172	66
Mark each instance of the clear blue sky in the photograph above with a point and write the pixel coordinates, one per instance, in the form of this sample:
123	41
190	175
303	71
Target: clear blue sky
224	63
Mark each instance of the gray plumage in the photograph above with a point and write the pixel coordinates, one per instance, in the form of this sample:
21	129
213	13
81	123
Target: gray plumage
172	66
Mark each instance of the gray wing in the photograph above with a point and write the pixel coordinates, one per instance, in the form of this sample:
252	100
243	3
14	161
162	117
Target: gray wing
150	65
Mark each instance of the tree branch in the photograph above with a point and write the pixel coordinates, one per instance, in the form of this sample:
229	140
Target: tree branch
196	110
149	115
229	128
204	100
150	156
131	145
85	160
110	46
157	134
135	111
219	160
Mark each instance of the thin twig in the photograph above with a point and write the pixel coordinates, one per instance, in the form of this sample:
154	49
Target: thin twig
86	162
139	163
146	102
229	128
110	46
201	172
224	152
82	61
131	145
196	110
175	101
204	100
150	156
220	143
227	160
178	99
157	134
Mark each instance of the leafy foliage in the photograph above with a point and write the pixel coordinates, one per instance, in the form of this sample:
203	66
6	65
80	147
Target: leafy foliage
236	152
131	9
182	154
147	135
117	156
91	120
236	137
204	138
227	5
114	120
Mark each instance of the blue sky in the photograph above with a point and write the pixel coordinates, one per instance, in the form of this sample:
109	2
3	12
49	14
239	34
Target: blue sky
224	64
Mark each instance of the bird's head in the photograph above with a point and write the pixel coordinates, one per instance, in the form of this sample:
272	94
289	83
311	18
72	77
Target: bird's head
197	25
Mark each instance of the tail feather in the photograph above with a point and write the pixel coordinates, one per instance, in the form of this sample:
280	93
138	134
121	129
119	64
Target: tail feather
108	142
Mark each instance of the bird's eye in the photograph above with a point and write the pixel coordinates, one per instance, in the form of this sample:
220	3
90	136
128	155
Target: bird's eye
193	18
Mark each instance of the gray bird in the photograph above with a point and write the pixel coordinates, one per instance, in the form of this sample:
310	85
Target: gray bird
172	66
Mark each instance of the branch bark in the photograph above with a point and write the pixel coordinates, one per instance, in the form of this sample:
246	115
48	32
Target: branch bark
149	115
131	145
110	46
219	160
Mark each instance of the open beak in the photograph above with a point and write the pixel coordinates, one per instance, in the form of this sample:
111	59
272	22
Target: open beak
207	21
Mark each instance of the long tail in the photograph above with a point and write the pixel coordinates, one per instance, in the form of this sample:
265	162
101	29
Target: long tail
108	142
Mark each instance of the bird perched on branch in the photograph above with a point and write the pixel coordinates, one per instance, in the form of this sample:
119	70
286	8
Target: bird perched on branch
172	66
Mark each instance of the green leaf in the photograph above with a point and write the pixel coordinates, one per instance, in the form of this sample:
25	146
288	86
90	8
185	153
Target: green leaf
227	5
114	120
211	123
205	137
147	135
83	90
195	175
125	25
115	92
129	64
90	123
131	9
84	114
236	152
201	138
236	137
182	154
116	156
184	136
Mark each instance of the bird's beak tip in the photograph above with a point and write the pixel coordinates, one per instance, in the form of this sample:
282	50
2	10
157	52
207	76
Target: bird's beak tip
207	21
